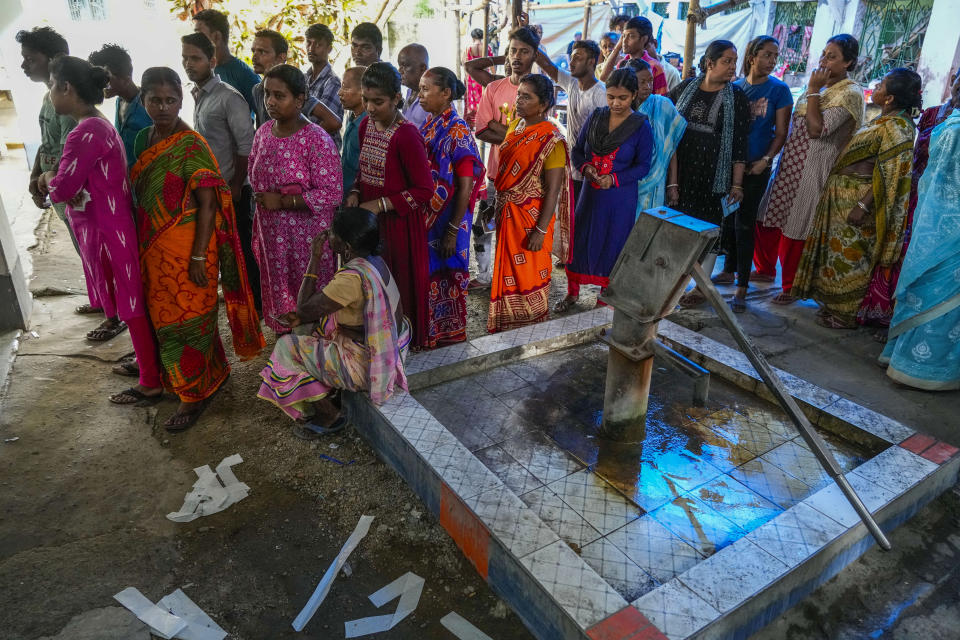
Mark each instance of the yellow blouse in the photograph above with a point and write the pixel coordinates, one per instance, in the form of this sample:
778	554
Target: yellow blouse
557	158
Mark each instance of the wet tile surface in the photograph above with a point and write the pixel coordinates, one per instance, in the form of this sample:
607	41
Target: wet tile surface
795	458
727	579
697	524
511	472
796	534
620	572
595	500
772	483
676	610
574	584
654	548
541	457
560	517
742	506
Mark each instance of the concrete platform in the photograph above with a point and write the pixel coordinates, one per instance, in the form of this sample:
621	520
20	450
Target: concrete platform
565	587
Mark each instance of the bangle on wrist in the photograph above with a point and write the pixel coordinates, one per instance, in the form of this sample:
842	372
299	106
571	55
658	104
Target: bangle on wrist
737	187
453	227
863	206
671	186
813	95
537	227
310	275
199	258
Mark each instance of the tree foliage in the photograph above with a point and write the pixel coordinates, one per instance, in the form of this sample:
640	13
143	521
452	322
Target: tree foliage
289	17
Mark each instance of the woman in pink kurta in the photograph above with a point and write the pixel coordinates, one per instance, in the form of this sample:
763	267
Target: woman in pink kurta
296	176
92	180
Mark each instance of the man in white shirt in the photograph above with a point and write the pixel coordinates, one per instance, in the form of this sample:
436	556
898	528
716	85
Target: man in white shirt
584	92
671	72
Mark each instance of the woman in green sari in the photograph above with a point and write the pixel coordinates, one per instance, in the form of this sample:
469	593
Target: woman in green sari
188	239
861	218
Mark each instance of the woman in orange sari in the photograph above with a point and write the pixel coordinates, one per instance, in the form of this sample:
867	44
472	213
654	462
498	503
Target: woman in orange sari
533	210
188	238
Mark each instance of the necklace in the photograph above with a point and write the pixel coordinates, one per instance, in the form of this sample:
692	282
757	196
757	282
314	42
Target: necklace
392	122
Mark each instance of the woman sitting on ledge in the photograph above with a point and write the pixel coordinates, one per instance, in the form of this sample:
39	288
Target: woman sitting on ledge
350	335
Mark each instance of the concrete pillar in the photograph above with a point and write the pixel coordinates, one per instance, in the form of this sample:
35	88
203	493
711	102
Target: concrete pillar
940	54
15	300
833	17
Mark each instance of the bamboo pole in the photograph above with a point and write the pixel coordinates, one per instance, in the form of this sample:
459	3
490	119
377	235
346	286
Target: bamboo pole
586	19
690	45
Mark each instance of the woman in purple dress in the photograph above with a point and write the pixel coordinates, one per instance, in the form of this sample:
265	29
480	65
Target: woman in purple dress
613	153
92	180
297	181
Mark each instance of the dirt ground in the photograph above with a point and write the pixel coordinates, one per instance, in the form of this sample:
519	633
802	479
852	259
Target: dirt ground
85	488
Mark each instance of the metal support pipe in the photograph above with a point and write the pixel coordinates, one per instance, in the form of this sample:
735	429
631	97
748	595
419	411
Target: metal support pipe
629	368
783	397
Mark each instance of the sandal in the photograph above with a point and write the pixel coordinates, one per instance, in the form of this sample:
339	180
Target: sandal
692	299
313	431
566	304
784	298
86	308
135	397
108	330
182	421
723	277
476	285
128	368
756	276
738	305
833	322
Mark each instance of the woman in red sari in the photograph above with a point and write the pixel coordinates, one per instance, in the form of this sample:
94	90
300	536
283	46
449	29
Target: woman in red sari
474	88
394	182
533	210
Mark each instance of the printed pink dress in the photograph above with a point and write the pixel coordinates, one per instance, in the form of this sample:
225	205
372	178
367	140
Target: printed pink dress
94	166
307	164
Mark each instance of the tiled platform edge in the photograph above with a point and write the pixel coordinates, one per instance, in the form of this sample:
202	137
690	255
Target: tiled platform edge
732	593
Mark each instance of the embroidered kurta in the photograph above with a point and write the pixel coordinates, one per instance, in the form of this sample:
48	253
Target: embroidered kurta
394	165
94	164
305	163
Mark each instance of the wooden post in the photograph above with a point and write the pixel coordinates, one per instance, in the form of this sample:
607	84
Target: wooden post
516	9
486	27
586	20
690	46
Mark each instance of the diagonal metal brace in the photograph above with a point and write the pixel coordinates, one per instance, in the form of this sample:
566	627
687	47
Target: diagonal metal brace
799	419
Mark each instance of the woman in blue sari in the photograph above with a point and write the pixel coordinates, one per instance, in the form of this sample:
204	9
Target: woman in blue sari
668	127
457	175
923	350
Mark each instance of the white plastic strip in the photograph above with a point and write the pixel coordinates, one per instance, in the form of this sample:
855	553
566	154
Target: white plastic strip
409	586
200	626
459	627
212	494
163	623
359	532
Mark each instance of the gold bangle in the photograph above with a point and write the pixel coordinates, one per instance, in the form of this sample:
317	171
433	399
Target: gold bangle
310	275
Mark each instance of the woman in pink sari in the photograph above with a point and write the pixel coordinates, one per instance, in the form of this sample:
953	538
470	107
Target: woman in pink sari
297	180
92	180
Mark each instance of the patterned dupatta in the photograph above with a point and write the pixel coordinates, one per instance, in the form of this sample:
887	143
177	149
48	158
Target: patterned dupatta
668	127
449	141
386	363
889	140
522	156
164	178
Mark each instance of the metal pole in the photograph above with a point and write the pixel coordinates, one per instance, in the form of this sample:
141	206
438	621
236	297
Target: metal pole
786	401
629	369
690	46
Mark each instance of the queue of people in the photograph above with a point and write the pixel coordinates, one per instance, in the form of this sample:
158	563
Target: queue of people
340	211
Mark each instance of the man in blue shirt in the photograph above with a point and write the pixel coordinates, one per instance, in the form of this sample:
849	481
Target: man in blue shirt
131	117
351	97
232	70
322	83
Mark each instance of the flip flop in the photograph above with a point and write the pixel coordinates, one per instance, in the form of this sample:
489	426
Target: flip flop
723	278
187	420
135	397
103	334
86	308
692	299
784	299
128	368
756	276
832	322
738	305
476	285
312	431
565	305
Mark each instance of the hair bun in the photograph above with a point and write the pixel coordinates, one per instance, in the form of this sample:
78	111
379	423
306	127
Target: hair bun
99	77
459	90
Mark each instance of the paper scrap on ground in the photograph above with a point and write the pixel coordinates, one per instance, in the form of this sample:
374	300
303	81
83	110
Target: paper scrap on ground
459	627
175	616
200	626
212	494
409	586
163	623
359	532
